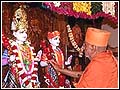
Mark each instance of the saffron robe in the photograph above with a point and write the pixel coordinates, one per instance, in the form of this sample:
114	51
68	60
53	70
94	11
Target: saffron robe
101	72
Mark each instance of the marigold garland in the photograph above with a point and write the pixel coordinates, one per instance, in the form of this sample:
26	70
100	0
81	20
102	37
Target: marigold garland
82	7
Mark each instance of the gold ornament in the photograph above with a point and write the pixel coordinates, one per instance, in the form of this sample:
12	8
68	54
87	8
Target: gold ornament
19	20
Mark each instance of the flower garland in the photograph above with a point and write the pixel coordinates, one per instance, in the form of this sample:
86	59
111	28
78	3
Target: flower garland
57	4
49	52
74	44
109	7
47	49
96	7
26	78
66	8
5	43
82	7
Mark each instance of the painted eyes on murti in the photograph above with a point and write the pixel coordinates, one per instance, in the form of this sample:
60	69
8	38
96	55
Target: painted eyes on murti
22	32
56	39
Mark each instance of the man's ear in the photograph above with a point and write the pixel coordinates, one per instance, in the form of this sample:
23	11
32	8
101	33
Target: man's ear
94	47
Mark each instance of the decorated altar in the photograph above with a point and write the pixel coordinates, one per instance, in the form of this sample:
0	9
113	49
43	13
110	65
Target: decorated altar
44	17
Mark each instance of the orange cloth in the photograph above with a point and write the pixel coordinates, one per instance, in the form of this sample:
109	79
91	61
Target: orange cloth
97	37
102	72
59	58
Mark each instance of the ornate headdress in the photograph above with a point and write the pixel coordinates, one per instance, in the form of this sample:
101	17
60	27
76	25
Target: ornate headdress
19	20
53	34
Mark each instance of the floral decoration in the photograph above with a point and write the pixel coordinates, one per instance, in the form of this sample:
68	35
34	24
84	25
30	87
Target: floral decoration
108	7
82	7
14	48
89	10
5	43
47	49
74	44
18	65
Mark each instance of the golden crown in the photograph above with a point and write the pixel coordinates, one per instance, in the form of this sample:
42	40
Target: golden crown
20	19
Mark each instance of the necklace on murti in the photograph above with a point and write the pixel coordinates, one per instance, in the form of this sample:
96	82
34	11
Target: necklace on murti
26	67
26	56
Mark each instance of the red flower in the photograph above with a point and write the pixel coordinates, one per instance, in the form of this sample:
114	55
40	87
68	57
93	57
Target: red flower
43	44
34	78
46	50
23	75
5	40
17	61
14	47
19	69
61	79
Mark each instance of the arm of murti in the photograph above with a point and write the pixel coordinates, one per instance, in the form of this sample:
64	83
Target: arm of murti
43	63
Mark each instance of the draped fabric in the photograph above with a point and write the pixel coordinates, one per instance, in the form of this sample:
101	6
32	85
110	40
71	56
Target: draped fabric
9	81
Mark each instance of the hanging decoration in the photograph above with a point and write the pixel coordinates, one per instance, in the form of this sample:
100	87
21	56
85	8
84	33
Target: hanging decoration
22	66
96	7
108	7
57	4
85	10
82	7
73	42
5	43
116	9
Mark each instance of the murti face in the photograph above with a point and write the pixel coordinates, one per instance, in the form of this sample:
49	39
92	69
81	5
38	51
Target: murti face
21	35
55	41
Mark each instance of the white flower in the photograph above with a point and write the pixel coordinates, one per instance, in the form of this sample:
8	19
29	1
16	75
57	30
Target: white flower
57	4
108	7
12	58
